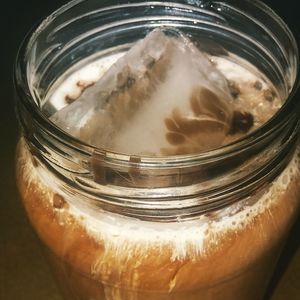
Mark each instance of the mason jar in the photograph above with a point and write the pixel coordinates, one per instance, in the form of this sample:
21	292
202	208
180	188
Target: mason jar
206	225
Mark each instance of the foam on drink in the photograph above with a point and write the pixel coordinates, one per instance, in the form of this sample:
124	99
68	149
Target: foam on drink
122	234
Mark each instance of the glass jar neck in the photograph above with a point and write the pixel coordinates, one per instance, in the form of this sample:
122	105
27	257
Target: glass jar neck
169	187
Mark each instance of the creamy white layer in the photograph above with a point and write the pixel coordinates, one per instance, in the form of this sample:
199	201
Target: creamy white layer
126	234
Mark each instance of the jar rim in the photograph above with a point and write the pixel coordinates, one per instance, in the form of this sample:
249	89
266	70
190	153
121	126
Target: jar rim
27	98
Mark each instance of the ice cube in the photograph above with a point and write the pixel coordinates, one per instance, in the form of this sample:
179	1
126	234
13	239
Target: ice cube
163	97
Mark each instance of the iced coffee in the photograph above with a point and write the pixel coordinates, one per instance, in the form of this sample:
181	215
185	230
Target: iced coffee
177	192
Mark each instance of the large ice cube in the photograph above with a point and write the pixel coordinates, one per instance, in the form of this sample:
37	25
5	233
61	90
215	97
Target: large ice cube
163	97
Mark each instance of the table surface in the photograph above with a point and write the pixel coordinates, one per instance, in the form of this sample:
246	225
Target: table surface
24	273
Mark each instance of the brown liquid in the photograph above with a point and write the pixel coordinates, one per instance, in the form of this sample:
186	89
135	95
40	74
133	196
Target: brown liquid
236	264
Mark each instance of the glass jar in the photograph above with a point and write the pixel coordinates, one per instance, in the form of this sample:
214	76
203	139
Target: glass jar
199	226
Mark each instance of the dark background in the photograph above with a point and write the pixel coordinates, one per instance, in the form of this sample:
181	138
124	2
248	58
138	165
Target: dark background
23	271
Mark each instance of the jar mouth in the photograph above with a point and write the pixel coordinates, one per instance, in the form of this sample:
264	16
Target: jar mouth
29	96
182	185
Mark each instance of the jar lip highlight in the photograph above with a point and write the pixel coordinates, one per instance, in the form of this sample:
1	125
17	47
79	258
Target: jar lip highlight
29	99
